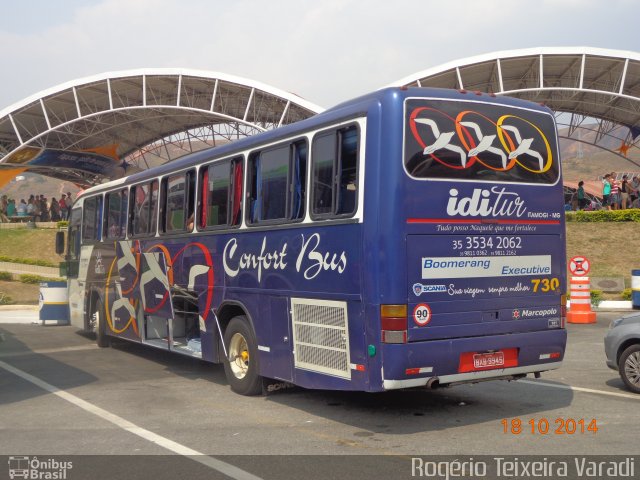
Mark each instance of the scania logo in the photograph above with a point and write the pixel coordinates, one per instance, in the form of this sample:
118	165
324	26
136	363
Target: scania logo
419	289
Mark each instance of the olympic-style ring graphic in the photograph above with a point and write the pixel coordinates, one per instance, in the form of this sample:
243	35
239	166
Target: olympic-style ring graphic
474	138
131	321
136	251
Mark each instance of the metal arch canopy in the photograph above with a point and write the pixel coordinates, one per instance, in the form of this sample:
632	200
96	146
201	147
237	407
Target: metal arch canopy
586	83
108	125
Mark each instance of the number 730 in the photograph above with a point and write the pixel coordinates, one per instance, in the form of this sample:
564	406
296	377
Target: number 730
545	284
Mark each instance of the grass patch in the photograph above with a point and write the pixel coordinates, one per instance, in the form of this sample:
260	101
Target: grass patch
612	248
20	293
24	243
33	279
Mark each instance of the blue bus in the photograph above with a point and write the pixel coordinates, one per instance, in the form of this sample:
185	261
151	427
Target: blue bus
411	237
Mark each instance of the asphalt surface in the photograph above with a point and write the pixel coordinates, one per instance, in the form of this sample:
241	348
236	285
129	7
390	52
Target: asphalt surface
60	395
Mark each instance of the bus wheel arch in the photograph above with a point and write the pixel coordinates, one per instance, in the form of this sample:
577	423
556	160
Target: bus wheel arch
228	311
242	367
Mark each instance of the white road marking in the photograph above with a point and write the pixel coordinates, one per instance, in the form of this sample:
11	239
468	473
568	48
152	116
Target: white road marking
222	467
46	351
581	389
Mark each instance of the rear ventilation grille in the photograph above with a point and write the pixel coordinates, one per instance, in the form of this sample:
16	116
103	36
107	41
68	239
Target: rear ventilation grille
321	336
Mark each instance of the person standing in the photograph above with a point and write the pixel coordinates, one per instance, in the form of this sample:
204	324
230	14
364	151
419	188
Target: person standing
624	192
11	208
3	209
606	191
580	195
614	198
63	207
44	209
54	210
22	208
634	191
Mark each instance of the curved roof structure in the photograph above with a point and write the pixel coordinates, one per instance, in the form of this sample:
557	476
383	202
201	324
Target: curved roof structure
133	119
599	89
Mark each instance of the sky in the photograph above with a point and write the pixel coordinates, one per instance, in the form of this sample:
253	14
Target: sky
325	51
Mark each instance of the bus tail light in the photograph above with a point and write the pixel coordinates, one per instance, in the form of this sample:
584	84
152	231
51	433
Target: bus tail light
563	310
393	319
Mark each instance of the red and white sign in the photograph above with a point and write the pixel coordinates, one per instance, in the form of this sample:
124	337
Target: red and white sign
422	314
579	266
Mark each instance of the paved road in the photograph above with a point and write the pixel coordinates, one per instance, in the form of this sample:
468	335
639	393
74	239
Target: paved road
61	395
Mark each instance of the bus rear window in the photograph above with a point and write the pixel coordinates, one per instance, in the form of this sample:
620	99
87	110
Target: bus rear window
479	141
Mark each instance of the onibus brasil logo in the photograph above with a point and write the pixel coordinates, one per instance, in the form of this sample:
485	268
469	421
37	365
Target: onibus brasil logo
34	468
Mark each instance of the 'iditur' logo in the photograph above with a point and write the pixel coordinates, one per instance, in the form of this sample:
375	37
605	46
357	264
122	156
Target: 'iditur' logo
497	202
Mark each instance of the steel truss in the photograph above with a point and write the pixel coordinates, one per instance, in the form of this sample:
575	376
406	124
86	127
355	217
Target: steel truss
143	117
599	89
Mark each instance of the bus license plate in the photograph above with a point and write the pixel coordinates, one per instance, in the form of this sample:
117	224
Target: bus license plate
488	360
479	361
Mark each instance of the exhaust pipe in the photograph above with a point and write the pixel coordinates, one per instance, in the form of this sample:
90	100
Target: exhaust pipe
433	383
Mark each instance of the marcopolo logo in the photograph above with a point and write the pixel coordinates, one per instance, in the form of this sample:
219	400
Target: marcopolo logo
35	468
419	289
539	312
536	313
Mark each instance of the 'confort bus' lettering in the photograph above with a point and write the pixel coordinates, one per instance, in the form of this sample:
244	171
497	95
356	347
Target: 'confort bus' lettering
311	260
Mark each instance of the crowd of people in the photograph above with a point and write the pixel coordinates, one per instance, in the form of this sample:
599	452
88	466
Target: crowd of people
620	195
616	194
36	207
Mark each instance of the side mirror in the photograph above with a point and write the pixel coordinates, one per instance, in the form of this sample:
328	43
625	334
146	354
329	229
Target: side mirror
59	243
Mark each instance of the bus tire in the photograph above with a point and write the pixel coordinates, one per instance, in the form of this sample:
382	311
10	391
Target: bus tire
241	366
102	339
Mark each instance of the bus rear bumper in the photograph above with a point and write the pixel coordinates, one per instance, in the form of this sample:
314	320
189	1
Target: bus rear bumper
451	361
469	377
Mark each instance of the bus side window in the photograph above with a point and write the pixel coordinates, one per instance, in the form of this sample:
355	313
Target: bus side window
153	208
115	211
178	202
238	188
323	164
190	200
73	245
144	209
92	219
335	167
215	194
139	210
269	180
347	193
299	180
174	188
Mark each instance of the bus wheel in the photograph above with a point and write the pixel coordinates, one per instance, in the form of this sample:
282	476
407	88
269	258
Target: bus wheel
241	367
99	320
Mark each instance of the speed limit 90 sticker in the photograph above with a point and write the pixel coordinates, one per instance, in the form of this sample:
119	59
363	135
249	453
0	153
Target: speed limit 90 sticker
422	314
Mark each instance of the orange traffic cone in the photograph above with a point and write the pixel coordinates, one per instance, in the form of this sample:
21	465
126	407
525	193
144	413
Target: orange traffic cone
580	309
